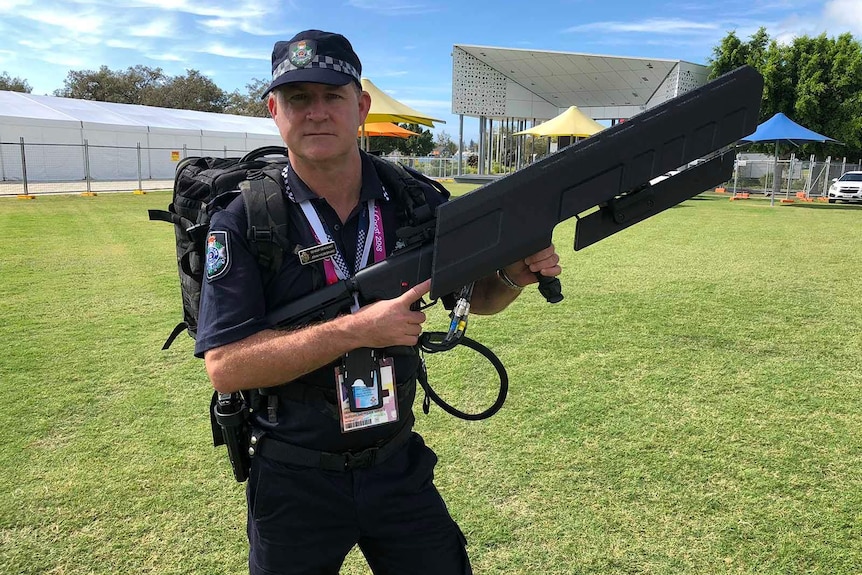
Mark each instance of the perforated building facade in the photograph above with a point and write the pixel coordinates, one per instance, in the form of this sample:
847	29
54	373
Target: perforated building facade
521	88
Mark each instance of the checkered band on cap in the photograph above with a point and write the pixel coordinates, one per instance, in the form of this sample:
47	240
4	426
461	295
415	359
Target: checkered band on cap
324	62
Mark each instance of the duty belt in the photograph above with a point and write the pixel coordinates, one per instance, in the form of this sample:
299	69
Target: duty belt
295	455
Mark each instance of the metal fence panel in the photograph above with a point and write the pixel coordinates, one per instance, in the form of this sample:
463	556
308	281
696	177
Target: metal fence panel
70	168
806	176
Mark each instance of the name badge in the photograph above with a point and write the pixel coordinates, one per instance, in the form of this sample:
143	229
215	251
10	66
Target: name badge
316	253
366	390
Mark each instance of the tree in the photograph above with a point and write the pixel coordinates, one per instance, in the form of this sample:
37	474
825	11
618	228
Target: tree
194	91
130	86
815	81
445	144
14	84
730	54
250	103
383	144
537	147
778	91
846	83
145	86
757	48
420	145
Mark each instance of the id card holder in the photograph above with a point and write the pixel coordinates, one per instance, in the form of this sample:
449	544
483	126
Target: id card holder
362	375
357	402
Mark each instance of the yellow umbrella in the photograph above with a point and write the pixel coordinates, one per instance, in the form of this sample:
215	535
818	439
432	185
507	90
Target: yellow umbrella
386	129
572	122
385	108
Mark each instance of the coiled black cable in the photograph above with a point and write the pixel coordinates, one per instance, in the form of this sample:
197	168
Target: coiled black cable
434	342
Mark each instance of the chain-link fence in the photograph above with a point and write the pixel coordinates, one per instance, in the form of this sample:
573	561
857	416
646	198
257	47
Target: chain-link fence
432	167
755	173
33	169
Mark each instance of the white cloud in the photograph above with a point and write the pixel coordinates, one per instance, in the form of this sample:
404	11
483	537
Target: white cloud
745	9
836	17
80	23
390	73
7	6
424	105
65	59
218	24
218	49
650	26
45	38
393	7
843	16
156	28
255	17
7	56
123	44
216	8
165	57
228	26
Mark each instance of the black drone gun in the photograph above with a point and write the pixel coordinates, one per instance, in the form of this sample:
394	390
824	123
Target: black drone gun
513	217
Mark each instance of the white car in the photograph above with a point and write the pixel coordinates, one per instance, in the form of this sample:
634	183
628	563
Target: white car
847	188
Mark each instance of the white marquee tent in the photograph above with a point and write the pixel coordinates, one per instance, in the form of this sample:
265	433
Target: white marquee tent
55	129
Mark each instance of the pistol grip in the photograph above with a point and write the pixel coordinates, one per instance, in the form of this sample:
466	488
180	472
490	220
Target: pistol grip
550	288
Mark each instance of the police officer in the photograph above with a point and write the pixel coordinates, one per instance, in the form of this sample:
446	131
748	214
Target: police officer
337	462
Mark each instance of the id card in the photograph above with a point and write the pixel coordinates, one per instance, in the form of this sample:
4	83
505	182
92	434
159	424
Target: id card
361	368
352	420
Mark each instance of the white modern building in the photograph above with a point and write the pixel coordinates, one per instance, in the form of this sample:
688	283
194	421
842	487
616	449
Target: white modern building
520	88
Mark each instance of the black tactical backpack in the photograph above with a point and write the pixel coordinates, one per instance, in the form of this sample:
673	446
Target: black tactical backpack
203	185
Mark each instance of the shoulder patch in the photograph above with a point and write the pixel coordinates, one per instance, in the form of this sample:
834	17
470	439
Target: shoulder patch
218	255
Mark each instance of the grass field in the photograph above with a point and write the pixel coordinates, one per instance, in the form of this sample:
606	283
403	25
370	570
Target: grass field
693	406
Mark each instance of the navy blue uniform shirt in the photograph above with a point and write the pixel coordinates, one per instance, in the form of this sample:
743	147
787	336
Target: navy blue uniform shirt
234	306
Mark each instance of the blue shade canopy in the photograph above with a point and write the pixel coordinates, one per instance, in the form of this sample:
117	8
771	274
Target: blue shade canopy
780	128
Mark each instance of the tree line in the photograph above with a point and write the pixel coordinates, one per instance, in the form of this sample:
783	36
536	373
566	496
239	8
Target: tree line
152	87
816	81
190	91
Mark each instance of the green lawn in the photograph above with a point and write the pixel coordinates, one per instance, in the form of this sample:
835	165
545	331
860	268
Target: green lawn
693	406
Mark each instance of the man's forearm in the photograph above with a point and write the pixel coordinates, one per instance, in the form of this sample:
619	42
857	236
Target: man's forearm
491	295
271	357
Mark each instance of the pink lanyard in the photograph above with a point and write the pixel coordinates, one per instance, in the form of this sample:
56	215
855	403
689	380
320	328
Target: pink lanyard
372	239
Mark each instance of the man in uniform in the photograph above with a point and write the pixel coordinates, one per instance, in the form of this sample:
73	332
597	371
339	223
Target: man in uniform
331	473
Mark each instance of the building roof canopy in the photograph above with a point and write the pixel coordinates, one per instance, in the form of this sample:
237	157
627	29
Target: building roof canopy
585	80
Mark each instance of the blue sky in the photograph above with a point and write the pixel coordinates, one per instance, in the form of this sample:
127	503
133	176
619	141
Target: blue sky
404	45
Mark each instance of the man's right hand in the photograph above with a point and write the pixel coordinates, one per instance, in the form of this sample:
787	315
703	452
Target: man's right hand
273	357
391	322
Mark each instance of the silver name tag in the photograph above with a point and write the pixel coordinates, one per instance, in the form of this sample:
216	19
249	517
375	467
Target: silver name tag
316	253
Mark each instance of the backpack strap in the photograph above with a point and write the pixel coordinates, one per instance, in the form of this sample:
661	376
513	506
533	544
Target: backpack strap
416	174
266	215
171	217
405	185
416	218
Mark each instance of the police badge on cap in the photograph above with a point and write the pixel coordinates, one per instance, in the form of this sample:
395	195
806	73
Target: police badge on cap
314	56
302	52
